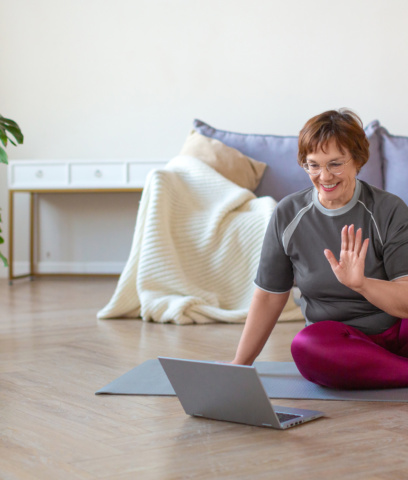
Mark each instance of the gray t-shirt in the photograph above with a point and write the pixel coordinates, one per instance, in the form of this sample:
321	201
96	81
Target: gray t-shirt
299	231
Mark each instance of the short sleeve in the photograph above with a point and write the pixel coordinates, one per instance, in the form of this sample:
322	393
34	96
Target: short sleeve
275	271
395	249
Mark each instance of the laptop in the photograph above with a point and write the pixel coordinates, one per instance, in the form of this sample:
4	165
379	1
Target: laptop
232	393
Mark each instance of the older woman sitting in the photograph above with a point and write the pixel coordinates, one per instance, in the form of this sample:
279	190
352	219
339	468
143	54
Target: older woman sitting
356	333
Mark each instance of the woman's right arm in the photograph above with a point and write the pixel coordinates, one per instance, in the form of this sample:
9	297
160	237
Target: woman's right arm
263	314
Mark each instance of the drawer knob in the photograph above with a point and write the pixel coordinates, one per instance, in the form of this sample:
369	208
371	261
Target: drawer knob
98	174
39	173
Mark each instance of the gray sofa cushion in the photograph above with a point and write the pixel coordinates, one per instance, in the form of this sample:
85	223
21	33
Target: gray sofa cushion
284	175
395	152
373	170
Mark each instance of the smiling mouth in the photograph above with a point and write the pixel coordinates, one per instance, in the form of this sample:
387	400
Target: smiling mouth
329	188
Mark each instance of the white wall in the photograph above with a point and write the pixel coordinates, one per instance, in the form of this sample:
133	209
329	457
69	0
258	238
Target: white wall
125	78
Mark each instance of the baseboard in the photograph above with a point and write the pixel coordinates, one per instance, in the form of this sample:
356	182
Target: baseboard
99	268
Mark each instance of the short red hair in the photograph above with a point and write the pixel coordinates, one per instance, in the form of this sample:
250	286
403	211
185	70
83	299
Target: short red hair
344	126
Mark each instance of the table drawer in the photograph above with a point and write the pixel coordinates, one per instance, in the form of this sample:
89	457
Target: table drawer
38	176
98	175
80	174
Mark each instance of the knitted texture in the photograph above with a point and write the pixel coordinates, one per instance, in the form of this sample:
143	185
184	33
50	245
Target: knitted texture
195	249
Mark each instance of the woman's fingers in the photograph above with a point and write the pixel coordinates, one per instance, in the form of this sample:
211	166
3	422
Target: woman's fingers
331	258
347	237
364	248
344	238
358	241
351	241
351	238
349	270
355	241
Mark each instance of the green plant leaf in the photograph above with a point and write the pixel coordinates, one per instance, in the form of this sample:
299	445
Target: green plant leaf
4	259
3	136
8	121
16	132
1	240
3	156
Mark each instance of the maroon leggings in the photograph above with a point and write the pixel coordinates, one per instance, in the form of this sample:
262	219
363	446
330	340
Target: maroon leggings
338	356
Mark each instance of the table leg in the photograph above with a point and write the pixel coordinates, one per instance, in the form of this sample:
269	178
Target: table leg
11	236
32	234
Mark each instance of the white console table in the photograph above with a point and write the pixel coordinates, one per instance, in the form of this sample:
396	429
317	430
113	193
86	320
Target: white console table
38	177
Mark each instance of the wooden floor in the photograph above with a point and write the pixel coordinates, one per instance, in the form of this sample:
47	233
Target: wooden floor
55	354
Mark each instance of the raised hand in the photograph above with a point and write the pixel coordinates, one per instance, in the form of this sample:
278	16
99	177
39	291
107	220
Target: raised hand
349	270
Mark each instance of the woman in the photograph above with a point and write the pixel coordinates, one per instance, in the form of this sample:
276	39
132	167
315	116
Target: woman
356	333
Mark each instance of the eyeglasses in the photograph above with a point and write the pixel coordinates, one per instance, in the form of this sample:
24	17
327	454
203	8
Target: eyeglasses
336	168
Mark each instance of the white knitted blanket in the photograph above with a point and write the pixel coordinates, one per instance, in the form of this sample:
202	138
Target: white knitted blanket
195	249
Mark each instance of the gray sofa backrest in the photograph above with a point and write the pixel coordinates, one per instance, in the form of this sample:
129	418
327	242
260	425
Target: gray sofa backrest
387	167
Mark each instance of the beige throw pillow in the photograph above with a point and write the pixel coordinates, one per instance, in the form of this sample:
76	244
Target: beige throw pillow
229	162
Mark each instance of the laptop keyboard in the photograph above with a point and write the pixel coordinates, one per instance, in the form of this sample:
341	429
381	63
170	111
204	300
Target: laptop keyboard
284	417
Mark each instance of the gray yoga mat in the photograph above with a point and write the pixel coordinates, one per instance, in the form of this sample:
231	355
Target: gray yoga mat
280	379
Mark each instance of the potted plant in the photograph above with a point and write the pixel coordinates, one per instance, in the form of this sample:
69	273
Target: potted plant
8	127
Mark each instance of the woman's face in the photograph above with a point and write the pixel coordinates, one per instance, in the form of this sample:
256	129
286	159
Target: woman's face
334	191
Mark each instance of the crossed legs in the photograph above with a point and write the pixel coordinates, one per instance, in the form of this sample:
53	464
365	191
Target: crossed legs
335	355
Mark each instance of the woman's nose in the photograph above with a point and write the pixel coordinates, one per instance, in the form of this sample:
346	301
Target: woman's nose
325	173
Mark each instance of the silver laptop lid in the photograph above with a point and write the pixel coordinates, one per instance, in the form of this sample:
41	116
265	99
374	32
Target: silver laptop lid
220	391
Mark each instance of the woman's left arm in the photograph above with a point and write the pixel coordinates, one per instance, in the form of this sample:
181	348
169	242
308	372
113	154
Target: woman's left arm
389	296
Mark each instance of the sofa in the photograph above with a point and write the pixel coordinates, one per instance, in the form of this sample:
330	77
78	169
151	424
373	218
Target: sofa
387	167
